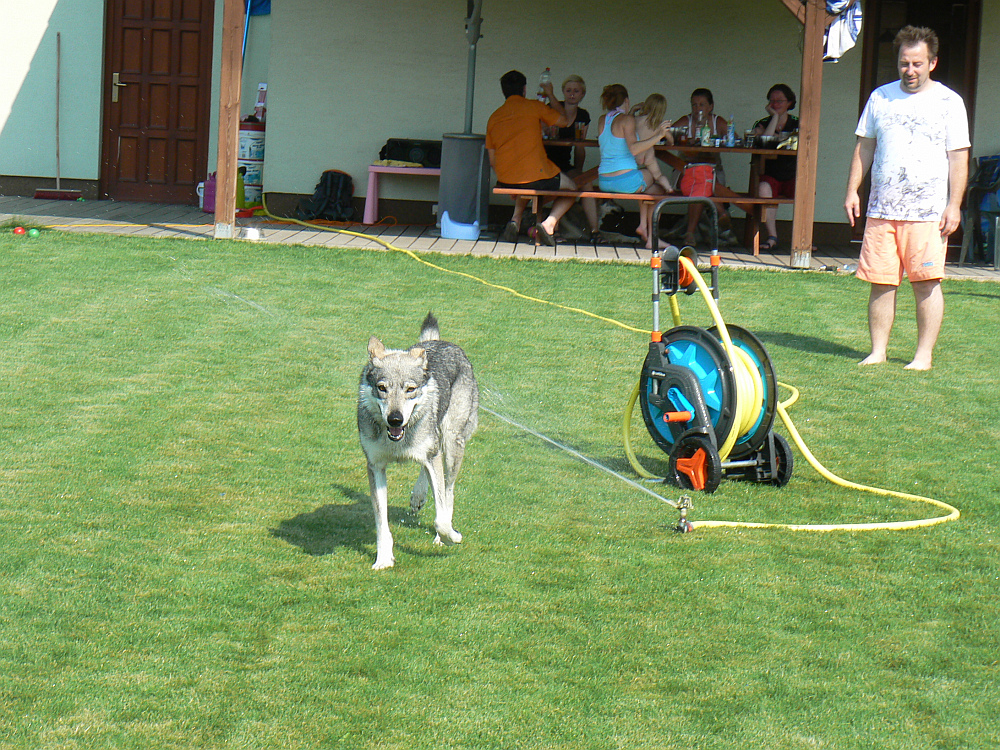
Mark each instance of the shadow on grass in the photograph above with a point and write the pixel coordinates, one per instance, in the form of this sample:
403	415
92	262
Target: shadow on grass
351	525
809	344
961	292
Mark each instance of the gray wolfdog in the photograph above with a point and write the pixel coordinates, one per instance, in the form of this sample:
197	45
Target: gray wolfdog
418	404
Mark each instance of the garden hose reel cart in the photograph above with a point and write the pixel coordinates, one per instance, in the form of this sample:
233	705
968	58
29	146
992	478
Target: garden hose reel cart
708	396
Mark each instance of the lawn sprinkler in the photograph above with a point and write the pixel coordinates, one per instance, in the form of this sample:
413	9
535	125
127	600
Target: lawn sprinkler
708	396
684	504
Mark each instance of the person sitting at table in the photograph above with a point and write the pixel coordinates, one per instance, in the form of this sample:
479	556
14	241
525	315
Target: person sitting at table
704	169
649	116
618	171
778	178
570	159
517	155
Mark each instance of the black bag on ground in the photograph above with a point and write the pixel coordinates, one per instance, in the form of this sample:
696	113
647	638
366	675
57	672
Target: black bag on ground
332	200
424	153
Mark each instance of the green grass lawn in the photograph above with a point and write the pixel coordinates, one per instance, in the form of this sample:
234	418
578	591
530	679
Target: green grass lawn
187	534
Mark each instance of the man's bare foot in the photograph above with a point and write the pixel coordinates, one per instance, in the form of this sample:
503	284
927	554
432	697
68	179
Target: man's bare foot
872	359
915	365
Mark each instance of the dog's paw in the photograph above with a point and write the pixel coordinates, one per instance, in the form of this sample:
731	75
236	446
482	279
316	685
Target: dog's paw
382	563
417	501
447	538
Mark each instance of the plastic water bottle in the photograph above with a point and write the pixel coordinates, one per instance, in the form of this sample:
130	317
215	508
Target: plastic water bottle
730	134
704	130
849	268
545	77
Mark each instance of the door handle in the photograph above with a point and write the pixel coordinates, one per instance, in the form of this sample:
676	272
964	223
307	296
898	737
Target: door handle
115	84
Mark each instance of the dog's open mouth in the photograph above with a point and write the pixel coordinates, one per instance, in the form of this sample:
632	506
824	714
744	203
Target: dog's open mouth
395	433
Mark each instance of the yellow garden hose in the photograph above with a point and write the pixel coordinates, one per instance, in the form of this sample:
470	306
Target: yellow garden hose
749	393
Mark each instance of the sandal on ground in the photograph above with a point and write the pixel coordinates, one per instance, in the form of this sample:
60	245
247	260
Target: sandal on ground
509	233
690	241
771	244
544	237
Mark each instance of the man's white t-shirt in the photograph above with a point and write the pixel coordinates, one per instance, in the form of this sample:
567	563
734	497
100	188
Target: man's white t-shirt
913	134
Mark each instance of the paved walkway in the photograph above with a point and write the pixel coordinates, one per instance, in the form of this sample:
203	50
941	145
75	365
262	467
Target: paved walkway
158	220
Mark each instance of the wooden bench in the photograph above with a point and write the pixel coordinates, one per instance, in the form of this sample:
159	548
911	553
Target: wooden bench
371	197
753	206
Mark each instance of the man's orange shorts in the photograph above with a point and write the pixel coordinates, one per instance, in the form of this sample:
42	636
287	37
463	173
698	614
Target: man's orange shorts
890	248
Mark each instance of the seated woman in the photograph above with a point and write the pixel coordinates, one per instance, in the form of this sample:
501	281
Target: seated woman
704	169
570	159
619	172
778	178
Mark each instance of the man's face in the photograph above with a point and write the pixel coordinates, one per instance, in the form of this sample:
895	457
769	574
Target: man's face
915	66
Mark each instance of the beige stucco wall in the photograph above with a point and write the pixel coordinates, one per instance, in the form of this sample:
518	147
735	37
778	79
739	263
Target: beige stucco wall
345	77
28	86
342	83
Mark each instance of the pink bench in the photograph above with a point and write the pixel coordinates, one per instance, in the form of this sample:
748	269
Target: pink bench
371	198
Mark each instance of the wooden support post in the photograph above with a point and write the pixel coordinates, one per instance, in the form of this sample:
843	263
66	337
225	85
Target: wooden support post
233	19
810	97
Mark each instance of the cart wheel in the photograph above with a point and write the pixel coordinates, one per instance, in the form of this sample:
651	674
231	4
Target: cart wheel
785	461
754	438
695	464
701	353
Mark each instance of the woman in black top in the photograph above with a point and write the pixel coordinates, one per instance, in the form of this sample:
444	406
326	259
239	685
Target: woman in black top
570	159
778	178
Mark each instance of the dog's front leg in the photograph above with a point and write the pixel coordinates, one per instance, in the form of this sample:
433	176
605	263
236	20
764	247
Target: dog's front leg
443	509
380	505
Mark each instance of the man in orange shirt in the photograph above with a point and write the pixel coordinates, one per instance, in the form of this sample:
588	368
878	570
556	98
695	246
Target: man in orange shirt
517	154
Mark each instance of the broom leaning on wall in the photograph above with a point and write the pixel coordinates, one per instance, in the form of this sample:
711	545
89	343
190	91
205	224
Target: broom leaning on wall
58	194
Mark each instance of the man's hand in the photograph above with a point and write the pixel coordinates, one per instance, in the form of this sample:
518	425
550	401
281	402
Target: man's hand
852	206
951	219
547	90
861	161
958	179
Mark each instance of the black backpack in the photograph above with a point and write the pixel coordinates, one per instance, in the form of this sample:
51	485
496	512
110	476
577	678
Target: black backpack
332	199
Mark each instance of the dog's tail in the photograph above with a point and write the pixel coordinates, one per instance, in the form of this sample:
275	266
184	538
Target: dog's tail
429	329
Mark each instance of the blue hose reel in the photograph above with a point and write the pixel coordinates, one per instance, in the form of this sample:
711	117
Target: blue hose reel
690	392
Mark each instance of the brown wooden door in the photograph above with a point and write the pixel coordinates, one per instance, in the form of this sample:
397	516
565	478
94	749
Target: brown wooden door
157	90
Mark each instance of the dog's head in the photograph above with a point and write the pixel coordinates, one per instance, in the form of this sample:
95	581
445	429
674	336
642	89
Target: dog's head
395	381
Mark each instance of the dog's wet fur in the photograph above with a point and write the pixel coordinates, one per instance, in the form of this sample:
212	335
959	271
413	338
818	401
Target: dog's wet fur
418	404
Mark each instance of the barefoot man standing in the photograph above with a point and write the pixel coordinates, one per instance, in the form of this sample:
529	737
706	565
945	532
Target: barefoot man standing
914	135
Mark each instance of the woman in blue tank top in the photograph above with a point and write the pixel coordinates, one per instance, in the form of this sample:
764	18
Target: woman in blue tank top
618	171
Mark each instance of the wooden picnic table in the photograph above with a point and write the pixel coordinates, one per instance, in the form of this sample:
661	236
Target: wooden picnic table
672	155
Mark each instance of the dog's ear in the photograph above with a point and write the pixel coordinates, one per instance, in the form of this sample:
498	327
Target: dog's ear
418	352
376	349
